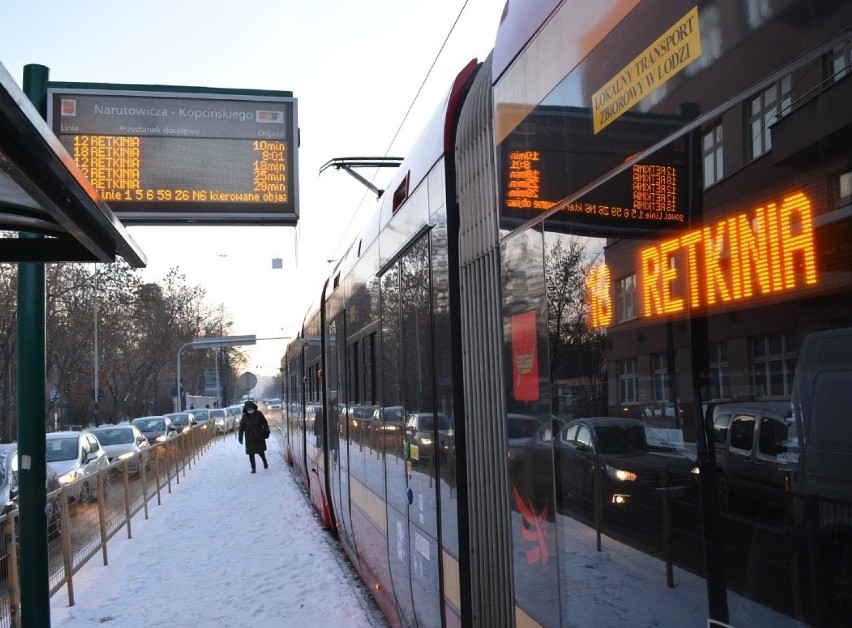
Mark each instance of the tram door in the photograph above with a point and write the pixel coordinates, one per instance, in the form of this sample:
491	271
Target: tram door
337	426
409	429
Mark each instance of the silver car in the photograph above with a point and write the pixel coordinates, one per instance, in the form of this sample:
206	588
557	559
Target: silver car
77	457
124	442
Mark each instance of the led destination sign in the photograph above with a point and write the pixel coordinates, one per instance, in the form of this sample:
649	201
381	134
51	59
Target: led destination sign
648	198
745	256
165	157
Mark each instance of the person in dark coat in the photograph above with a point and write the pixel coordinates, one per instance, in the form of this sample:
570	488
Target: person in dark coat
251	423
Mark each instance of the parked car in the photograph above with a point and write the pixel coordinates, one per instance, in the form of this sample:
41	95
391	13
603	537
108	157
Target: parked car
202	415
224	422
236	413
157	429
183	421
9	489
752	458
421	431
77	458
386	429
530	453
630	468
124	442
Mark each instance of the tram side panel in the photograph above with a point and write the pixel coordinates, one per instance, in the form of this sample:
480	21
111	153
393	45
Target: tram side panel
315	423
364	437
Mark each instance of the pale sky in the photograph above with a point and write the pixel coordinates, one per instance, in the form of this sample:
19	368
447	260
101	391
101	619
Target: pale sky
354	67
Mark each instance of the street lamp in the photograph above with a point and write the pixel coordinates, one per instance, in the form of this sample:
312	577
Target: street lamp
211	342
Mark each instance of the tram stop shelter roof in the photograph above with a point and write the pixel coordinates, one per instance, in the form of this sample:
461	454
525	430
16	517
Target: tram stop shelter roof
43	191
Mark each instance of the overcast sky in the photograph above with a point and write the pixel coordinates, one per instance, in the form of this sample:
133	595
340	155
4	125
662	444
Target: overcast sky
354	67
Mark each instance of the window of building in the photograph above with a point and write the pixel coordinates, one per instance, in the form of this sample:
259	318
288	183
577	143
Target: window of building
773	364
628	381
711	149
763	110
660	381
719	370
844	188
840	60
627	298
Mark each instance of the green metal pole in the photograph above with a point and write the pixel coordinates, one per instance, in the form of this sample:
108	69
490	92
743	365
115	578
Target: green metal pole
35	586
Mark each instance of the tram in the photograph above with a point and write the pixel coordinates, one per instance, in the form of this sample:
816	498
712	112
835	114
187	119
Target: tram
589	360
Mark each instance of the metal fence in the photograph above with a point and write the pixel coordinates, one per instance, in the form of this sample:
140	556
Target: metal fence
82	528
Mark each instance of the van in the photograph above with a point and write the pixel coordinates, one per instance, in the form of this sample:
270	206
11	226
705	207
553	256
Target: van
794	461
822	409
756	449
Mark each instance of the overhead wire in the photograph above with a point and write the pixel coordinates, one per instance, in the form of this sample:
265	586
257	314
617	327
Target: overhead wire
405	117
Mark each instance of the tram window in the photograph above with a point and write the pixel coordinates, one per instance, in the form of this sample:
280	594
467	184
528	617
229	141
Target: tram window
400	194
742	432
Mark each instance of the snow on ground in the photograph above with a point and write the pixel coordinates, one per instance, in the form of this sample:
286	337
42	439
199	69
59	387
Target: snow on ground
225	548
231	549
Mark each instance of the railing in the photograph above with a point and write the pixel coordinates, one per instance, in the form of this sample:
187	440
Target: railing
79	530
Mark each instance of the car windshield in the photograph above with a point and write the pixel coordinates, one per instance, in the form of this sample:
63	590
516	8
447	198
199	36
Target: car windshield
180	419
620	439
150	425
426	422
61	449
117	436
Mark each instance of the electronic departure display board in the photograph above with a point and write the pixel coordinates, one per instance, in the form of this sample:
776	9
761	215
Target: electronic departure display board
554	153
167	155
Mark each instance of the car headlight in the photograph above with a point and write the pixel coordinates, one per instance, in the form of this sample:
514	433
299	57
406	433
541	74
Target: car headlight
695	470
125	456
68	478
162	438
425	441
620	475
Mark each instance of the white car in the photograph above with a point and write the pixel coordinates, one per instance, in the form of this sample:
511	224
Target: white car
223	419
77	457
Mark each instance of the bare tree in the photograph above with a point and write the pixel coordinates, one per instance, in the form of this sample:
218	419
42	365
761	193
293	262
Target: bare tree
577	352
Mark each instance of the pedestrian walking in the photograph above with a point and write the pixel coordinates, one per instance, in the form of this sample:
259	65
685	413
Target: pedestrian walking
255	429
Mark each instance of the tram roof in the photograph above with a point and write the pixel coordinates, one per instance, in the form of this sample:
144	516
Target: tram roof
43	191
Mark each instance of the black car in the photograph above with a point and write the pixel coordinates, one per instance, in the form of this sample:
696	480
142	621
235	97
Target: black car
630	470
